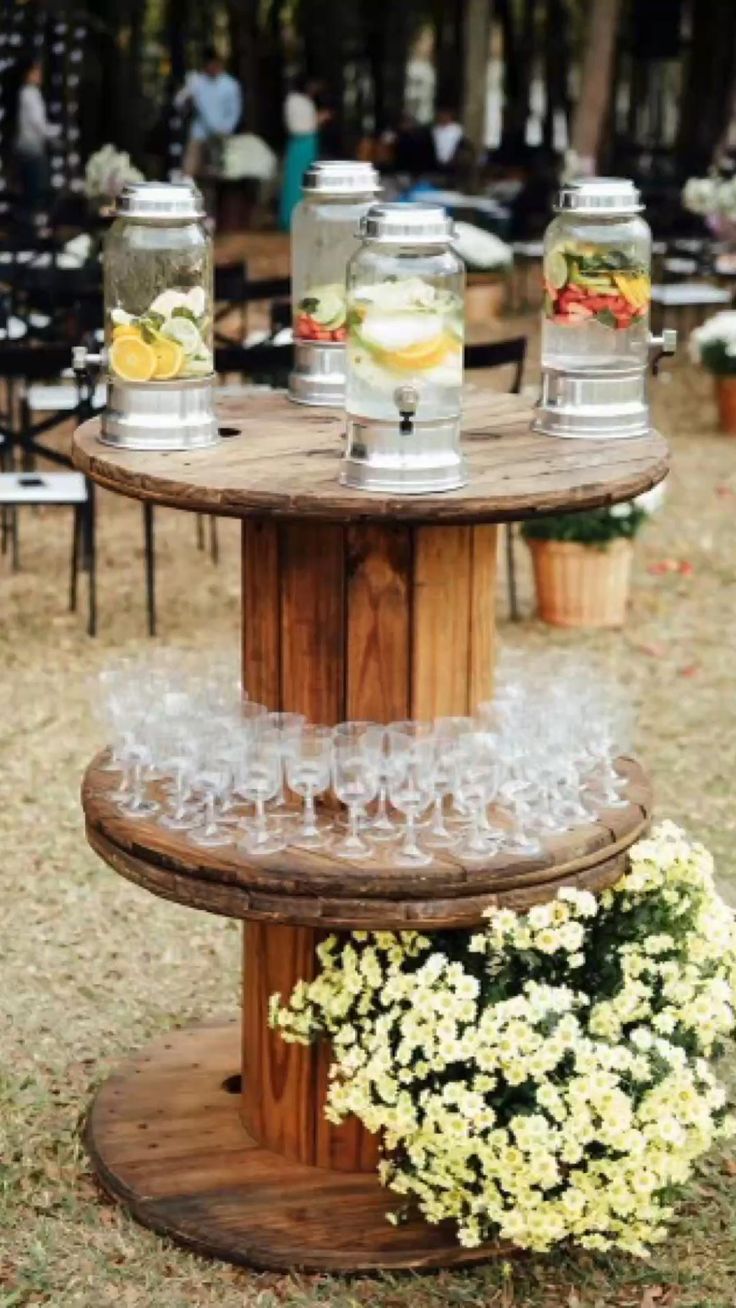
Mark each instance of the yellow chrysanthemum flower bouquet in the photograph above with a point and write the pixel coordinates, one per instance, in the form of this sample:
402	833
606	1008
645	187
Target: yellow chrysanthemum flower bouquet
551	1077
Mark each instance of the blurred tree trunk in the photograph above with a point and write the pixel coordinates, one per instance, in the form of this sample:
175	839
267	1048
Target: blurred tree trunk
596	82
475	71
518	59
710	71
556	65
448	28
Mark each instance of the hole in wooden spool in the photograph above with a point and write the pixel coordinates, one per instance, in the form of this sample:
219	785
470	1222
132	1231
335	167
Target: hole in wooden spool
232	1085
226	432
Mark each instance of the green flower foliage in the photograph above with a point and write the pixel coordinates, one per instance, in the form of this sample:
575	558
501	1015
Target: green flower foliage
596	527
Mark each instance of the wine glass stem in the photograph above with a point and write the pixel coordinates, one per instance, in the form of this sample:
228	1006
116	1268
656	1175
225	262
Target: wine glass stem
137	785
381	808
209	813
438	827
261	822
410	837
309	822
353	817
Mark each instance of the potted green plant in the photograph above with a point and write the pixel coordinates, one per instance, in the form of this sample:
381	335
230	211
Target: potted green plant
713	345
582	561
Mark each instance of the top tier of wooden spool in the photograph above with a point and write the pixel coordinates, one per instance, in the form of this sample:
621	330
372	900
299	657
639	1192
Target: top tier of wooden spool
283	462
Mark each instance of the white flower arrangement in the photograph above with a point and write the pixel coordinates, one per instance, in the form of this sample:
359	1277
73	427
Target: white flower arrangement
711	197
546	1078
482	250
107	172
713	344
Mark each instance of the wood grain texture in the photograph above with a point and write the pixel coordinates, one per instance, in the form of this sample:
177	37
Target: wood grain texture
261	582
482	641
278	1078
285	464
168	1142
298	888
312	620
441	622
378	598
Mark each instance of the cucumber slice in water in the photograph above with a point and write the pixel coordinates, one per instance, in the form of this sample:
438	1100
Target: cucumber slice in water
555	269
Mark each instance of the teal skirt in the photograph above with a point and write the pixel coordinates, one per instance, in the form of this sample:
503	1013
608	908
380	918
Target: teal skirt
301	153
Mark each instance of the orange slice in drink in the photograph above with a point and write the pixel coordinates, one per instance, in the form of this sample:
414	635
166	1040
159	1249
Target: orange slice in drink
132	359
169	358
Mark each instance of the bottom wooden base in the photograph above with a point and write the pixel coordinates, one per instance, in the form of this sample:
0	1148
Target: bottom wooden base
166	1139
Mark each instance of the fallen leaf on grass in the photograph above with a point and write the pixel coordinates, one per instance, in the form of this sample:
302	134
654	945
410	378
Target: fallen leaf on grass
729	1166
652	1297
725	492
690	670
664	565
655	649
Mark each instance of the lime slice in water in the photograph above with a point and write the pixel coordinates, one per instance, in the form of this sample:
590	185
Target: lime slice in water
555	269
185	332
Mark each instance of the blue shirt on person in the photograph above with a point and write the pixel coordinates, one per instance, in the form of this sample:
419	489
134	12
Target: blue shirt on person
218	104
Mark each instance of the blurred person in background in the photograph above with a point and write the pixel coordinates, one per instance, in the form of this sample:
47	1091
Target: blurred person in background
302	120
216	103
31	135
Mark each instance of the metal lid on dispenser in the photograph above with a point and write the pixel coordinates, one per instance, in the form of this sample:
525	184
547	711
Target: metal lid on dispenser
407	224
160	201
599	197
341	177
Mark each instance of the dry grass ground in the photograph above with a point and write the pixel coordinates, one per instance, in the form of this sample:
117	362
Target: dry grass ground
92	967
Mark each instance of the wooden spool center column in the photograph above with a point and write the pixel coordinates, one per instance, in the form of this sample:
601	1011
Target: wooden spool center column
367	621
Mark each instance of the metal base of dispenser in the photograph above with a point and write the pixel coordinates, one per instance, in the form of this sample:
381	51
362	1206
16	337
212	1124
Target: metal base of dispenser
319	373
167	415
589	405
380	457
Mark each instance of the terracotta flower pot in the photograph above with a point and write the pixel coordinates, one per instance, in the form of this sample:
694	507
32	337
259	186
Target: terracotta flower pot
726	401
579	585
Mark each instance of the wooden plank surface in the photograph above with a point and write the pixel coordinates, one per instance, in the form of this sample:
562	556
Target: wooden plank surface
261	618
379	562
441	622
285	463
482	641
166	1140
312	620
278	1078
316	889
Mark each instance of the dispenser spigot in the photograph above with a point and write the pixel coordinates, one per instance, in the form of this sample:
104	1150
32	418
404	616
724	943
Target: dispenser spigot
406	399
661	346
83	359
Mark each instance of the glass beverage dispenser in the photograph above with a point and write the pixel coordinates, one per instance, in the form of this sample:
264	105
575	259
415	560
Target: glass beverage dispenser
323	238
596	343
158	355
405	330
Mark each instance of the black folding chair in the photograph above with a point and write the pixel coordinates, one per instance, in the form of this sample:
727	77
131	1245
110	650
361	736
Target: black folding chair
23	366
234	289
499	354
264	364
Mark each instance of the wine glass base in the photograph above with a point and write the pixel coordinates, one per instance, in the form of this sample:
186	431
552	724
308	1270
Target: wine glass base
318	839
411	858
145	809
270	844
209	839
183	823
354	850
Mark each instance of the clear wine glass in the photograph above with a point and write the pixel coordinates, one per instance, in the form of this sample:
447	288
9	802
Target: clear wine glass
411	785
308	769
136	803
289	727
478	778
355	783
213	778
260	781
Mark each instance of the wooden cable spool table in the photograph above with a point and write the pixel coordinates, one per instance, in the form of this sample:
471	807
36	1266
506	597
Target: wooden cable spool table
355	605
